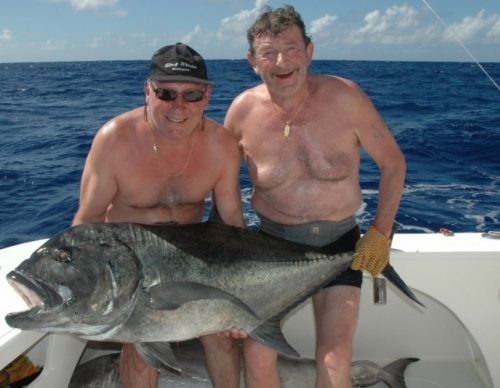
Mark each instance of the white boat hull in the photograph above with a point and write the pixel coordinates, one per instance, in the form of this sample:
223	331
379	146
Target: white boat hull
455	336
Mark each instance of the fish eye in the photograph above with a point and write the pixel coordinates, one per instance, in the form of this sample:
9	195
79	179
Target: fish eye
63	256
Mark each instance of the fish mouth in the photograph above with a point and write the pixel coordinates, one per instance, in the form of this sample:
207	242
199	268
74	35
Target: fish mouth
38	296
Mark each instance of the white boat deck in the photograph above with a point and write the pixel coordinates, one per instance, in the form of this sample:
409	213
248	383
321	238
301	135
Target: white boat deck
455	336
13	341
58	353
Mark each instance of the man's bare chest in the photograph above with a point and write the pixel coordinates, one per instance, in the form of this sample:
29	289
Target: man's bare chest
300	158
155	187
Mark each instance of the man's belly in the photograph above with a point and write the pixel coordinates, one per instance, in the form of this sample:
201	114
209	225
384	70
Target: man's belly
182	214
306	206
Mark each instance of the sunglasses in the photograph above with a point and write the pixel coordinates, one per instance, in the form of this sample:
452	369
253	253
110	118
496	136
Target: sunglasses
171	95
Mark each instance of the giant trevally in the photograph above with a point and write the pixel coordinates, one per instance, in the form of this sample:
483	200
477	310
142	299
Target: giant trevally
134	283
102	372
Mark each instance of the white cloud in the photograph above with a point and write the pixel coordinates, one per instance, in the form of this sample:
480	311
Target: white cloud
6	35
233	28
473	27
319	27
50	45
93	5
193	35
399	24
95	42
494	32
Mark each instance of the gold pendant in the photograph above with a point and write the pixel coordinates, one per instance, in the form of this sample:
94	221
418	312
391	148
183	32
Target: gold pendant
286	132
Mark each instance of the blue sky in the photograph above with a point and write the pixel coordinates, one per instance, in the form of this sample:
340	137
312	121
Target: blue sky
68	30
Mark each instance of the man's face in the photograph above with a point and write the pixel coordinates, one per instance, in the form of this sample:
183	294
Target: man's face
282	60
176	107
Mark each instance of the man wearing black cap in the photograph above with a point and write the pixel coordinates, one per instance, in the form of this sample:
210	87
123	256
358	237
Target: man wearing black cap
157	163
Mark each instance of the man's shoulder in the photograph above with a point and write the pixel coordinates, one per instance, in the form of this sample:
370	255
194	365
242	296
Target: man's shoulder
325	81
219	141
252	95
245	103
217	130
123	120
120	128
333	86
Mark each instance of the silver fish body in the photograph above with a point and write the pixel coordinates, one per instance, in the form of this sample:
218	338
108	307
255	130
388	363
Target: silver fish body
128	282
134	283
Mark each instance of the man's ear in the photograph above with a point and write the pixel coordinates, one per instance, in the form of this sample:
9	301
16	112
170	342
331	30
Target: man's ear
146	92
209	90
251	60
310	51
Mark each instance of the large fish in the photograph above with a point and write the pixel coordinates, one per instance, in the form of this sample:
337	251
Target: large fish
134	283
102	372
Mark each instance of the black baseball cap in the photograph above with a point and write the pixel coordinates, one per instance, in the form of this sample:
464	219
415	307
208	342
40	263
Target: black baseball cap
178	63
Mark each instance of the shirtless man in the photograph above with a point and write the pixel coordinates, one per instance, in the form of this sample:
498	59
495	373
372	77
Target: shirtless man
301	136
157	163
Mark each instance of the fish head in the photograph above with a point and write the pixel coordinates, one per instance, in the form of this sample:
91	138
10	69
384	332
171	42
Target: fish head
83	281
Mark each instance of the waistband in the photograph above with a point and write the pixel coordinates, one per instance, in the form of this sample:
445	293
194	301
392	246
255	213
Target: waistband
315	233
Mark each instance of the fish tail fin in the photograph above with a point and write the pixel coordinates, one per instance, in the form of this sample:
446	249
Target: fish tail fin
394	372
390	273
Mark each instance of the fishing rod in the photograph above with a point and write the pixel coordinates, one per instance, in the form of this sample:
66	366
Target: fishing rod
461	44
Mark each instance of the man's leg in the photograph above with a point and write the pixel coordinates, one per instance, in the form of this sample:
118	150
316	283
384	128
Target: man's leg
222	360
261	365
336	313
134	372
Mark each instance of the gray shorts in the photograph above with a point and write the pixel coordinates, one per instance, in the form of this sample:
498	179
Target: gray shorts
328	236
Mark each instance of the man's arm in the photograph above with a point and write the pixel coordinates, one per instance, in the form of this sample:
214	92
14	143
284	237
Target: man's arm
226	194
377	140
372	250
98	185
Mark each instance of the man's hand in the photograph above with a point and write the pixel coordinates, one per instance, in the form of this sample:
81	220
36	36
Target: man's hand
372	252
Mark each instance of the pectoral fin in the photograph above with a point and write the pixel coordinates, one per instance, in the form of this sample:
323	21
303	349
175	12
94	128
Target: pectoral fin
172	295
270	334
156	354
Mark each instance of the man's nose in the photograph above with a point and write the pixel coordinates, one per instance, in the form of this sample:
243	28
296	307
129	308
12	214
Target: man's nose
281	58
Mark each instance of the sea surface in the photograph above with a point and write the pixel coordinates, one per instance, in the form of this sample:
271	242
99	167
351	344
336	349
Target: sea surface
445	116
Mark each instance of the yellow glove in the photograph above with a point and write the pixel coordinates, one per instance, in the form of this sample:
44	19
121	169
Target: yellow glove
372	252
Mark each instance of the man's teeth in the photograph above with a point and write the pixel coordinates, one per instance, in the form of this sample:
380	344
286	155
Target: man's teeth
174	120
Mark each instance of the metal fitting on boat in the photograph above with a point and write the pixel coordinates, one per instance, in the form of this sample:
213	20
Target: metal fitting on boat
379	291
493	234
446	232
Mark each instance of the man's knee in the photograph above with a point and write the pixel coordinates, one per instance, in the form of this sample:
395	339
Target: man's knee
259	358
261	365
134	372
218	342
336	359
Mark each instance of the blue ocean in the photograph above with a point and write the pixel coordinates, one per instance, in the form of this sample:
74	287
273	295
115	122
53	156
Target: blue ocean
445	116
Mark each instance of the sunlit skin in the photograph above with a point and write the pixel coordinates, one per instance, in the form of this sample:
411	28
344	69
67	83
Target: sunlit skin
313	174
158	163
175	120
282	62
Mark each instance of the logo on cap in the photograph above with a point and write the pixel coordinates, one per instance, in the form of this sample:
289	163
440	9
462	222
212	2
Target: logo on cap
179	63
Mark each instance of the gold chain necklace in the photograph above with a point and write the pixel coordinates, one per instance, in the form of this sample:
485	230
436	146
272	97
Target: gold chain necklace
185	163
288	123
155	148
